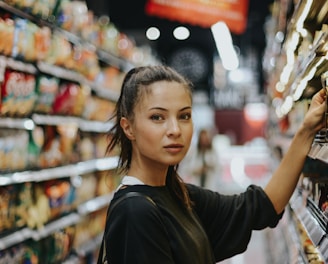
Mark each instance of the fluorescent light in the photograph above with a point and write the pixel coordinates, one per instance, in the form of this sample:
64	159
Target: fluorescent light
224	45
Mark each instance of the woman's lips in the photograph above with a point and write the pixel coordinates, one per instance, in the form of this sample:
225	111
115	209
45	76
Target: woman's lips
174	148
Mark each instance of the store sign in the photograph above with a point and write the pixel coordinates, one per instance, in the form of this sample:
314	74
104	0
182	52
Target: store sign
229	99
202	13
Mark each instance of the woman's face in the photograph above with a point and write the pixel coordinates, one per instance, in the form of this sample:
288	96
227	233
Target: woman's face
162	127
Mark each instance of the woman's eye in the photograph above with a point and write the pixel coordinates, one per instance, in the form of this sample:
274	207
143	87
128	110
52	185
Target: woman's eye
156	117
186	116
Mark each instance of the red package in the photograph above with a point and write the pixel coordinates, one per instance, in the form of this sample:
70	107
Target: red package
70	100
17	93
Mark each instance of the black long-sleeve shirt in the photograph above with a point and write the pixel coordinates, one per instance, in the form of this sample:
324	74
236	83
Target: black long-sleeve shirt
219	226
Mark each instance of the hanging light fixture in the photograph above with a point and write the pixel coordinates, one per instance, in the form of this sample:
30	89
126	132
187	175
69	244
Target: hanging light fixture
224	45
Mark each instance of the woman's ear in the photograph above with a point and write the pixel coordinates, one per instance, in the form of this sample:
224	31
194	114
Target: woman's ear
127	128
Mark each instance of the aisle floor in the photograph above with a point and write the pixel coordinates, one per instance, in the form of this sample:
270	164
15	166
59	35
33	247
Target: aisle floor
256	253
256	165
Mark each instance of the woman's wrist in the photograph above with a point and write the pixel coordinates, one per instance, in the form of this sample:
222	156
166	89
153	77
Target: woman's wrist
304	137
306	131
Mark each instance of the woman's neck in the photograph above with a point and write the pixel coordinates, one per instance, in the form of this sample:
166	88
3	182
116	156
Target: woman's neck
149	177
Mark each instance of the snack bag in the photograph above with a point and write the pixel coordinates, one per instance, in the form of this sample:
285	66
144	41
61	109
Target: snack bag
7	28
70	100
17	93
47	88
26	96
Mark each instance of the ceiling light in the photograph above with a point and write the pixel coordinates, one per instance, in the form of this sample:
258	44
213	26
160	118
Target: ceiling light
153	33
181	33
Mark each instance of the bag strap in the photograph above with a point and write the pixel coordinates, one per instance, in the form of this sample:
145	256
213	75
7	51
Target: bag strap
128	195
103	258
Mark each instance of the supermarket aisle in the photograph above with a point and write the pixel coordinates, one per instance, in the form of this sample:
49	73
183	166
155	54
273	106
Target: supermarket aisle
243	165
257	252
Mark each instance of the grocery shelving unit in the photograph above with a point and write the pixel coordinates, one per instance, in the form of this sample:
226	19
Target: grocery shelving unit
297	63
16	237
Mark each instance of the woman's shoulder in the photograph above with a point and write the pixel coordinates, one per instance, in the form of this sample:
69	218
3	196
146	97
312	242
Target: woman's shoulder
132	201
196	191
131	205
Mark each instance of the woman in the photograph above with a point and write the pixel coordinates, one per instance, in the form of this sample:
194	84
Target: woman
201	165
160	219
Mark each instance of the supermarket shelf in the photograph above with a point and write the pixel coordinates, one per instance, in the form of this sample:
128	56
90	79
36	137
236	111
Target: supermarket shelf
53	120
313	221
17	65
74	76
52	227
73	218
89	246
84	125
294	240
82	167
323	247
310	223
15	238
105	56
94	204
27	233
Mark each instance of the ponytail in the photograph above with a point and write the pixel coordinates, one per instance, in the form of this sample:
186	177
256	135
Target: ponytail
178	187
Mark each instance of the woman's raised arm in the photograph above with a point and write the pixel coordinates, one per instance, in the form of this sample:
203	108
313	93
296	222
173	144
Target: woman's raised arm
284	180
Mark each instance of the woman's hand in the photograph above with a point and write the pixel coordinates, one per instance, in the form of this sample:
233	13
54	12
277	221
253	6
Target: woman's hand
314	119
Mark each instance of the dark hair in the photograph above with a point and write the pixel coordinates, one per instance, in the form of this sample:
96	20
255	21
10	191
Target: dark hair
134	85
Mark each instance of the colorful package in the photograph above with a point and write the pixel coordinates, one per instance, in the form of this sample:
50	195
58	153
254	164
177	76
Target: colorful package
47	88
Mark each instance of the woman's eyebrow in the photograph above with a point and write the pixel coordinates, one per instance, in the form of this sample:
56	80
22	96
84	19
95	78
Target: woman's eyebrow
164	109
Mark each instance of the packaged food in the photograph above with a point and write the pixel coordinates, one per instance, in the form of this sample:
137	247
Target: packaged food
61	52
10	90
35	145
101	142
68	136
7	208
107	182
26	96
70	100
50	155
73	16
7	28
57	246
86	62
19	37
13	149
17	93
110	78
97	108
23	201
42	42
60	145
24	40
47	88
61	196
86	147
87	188
43	8
39	211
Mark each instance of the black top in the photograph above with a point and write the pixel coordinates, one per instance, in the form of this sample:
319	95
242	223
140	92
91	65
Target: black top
220	226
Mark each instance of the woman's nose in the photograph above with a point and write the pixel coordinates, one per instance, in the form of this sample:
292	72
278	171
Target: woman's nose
173	127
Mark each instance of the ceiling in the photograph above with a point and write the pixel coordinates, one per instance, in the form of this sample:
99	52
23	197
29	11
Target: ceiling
130	18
